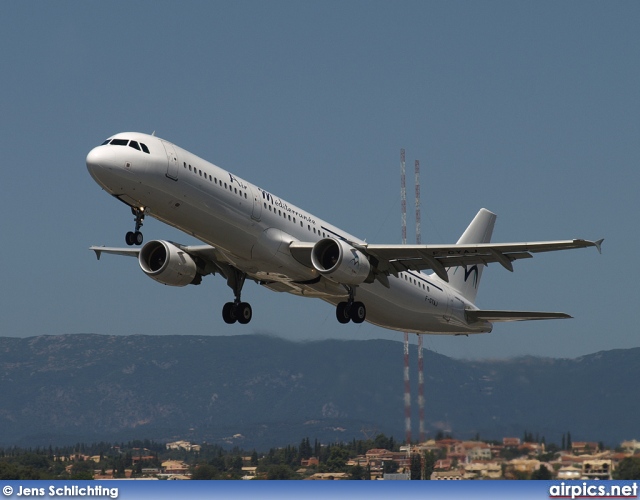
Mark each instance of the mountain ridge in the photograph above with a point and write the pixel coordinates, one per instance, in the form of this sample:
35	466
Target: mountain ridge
267	391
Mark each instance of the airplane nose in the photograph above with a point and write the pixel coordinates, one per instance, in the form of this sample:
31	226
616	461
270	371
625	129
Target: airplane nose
98	158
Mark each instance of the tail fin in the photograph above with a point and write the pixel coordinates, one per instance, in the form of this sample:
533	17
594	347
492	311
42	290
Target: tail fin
466	279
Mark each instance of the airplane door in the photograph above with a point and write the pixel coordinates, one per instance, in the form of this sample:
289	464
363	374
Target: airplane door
257	203
172	161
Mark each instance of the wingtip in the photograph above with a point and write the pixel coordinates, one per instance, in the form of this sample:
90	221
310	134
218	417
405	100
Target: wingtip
598	245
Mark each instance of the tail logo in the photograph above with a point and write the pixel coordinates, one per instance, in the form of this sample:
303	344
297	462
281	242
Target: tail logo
467	273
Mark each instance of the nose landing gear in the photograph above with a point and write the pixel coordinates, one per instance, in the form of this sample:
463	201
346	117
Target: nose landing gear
135	237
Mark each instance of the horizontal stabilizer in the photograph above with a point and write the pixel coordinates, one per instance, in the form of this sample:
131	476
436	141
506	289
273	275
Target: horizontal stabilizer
503	316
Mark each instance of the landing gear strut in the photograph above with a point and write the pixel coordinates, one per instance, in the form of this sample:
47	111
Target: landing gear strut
351	310
237	310
135	237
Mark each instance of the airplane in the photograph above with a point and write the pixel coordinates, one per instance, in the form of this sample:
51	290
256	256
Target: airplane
248	232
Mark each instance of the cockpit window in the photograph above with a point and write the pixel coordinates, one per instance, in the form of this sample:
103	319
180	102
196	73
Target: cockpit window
144	148
105	142
119	142
134	145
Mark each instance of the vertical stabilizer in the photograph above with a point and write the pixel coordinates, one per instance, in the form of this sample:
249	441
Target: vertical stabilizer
466	279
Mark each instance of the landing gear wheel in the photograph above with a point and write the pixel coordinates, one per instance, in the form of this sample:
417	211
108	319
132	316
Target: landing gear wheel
130	238
243	313
228	313
342	312
357	312
138	238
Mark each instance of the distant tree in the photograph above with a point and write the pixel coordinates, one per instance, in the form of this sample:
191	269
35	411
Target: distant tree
416	467
383	442
254	458
430	459
357	472
82	470
542	473
337	459
280	472
569	443
204	472
564	443
628	468
390	467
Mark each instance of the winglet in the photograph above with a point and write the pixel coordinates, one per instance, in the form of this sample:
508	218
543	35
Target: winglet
598	245
98	251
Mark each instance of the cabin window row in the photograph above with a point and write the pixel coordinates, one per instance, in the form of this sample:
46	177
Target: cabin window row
215	180
285	216
419	284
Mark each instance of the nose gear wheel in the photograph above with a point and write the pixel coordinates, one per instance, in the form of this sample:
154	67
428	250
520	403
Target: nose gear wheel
135	237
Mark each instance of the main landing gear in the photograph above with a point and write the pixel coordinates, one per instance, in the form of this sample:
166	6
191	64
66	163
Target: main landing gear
135	237
351	310
237	310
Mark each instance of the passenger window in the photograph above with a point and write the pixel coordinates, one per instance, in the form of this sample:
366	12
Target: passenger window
134	145
184	164
144	148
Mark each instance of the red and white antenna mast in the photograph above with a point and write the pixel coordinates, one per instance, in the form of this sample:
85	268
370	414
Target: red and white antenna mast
407	386
420	347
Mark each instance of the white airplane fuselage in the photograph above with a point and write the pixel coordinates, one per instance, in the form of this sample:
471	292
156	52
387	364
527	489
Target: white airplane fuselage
252	229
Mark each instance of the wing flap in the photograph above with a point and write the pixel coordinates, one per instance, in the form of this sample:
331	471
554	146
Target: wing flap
493	316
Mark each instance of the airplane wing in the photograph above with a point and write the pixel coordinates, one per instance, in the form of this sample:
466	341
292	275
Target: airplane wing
502	316
393	259
209	254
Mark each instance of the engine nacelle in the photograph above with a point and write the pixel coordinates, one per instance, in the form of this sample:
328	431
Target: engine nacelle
167	264
340	262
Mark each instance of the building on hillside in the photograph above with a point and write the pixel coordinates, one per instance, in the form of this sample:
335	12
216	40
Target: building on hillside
450	475
632	446
311	462
174	467
489	470
479	454
532	449
584	448
249	472
183	445
328	476
569	473
508	442
596	469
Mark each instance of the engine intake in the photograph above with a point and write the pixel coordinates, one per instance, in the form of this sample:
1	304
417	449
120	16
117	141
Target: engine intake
168	264
340	262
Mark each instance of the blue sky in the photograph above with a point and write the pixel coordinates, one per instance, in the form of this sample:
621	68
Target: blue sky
530	109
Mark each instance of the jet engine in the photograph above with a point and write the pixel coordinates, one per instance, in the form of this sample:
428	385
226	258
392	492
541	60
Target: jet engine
340	262
168	264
